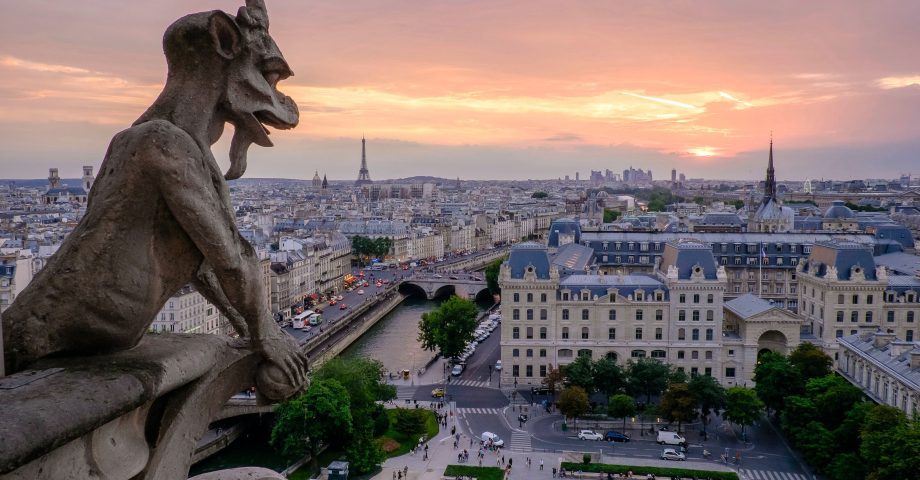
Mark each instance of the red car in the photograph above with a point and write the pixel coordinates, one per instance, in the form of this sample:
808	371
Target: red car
343	307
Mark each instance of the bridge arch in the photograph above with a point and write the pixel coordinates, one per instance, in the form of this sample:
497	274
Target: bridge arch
484	296
444	291
412	290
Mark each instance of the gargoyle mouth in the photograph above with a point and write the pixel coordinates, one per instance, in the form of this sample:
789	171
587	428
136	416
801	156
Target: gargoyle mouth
266	117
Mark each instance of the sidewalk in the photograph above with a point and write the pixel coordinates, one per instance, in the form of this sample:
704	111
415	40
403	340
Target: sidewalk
434	375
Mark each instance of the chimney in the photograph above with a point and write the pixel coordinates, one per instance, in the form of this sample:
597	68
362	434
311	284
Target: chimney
882	340
914	359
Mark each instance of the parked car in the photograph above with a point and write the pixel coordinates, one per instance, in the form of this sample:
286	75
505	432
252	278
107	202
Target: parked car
670	438
589	435
498	365
360	292
458	369
671	454
614	436
343	306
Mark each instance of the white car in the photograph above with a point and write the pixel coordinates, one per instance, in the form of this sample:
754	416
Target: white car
589	435
458	369
489	437
498	365
360	292
671	454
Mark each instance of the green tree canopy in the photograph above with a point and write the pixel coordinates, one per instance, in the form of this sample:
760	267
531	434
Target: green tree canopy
647	377
492	271
609	378
678	404
449	327
539	195
611	216
738	204
810	361
742	406
776	380
580	373
573	403
621	405
709	395
321	415
833	398
554	377
362	378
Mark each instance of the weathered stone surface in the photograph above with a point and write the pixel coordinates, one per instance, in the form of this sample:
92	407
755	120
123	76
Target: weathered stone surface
159	214
247	473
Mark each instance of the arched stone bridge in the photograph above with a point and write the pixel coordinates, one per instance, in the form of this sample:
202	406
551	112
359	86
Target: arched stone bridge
464	285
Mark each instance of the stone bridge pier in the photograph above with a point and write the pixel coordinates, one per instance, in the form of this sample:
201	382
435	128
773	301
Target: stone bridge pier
434	288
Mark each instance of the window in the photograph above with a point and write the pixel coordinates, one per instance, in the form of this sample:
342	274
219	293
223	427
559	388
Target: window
639	314
611	334
659	314
658	354
696	315
855	299
680	354
695	334
529	333
530	352
515	370
542	353
731	352
516	314
658	334
639	333
542	333
710	315
891	316
708	354
565	313
910	317
868	317
909	336
585	333
584	314
585	352
565	333
869	299
683	298
585	296
854	316
612	314
565	296
708	371
694	355
543	314
529	298
681	315
710	298
543	297
529	314
637	354
840	316
516	332
681	334
696	298
515	353
839	332
613	298
517	297
709	334
730	372
565	353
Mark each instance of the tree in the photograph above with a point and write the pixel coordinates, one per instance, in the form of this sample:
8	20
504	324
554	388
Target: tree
492	271
742	406
362	378
611	216
647	377
709	395
846	466
621	405
580	373
553	378
890	444
678	404
817	445
810	361
540	195
609	378
833	398
320	416
449	327
364	454
738	204
381	246
573	403
699	200
776	380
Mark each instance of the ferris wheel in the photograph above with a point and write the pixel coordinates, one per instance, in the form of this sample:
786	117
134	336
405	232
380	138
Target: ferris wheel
808	187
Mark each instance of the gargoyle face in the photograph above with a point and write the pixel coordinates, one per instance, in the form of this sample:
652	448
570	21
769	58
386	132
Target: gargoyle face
253	100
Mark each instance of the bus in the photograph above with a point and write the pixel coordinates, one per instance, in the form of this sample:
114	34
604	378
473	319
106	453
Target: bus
298	321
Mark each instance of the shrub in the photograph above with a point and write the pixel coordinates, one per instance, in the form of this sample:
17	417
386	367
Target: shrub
586	458
409	421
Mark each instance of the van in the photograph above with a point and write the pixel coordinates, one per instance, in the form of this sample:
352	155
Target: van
316	319
490	438
670	438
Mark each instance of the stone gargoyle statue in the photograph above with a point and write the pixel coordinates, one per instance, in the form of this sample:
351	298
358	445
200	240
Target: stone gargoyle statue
159	214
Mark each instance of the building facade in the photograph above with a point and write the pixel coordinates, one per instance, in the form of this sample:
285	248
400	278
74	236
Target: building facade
885	368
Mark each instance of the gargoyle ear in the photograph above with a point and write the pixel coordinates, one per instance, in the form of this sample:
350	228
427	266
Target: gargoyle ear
225	35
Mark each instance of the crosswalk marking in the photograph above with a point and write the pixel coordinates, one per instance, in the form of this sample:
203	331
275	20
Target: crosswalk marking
470	383
771	475
482	411
520	441
405	393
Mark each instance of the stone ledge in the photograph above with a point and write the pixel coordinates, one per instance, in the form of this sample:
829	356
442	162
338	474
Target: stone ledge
88	392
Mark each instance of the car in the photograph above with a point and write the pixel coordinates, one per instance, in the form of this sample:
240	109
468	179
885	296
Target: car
340	298
453	277
589	435
671	454
437	393
360	292
490	438
614	436
498	364
457	370
438	275
332	302
343	307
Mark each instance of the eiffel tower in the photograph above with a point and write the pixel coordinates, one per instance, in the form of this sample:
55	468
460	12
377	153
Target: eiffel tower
364	177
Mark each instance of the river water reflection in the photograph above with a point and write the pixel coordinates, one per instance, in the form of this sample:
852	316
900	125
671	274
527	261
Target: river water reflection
394	339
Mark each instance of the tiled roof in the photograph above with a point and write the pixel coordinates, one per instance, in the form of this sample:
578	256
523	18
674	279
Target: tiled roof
748	305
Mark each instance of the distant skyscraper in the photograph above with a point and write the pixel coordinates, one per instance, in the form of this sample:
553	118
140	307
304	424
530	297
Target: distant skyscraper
577	176
673	175
364	178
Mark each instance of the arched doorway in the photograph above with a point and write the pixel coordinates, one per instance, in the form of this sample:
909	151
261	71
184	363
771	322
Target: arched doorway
772	341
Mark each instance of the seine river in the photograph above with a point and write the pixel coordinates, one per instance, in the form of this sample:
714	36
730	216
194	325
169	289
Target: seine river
394	339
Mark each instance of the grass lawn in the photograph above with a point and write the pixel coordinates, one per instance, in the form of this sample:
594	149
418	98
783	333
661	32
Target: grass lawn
480	473
641	470
395	443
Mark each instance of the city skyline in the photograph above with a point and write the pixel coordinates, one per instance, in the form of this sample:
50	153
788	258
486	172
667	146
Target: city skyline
452	91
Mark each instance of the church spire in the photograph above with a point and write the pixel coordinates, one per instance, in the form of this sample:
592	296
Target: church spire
769	187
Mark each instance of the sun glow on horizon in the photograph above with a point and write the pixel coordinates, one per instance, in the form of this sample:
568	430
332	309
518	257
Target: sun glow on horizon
703	151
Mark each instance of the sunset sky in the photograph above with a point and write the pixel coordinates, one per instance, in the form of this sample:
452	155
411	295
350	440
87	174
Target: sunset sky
500	89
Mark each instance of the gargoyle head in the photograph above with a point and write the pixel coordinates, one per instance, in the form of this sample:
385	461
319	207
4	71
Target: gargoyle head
238	56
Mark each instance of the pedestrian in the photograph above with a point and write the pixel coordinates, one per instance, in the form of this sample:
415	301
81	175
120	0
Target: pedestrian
394	475
503	459
554	468
541	467
399	475
406	471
